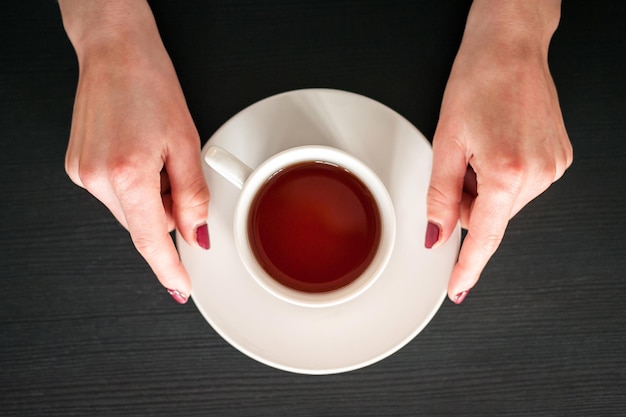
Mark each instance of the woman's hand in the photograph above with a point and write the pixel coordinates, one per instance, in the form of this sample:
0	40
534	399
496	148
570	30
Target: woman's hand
133	143
501	140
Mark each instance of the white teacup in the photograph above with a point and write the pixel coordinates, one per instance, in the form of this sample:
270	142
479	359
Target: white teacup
255	181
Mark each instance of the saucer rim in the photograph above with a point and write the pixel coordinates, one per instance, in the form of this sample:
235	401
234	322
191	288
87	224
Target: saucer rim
398	344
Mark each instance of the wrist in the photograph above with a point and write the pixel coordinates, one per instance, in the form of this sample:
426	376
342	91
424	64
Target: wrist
97	28
516	25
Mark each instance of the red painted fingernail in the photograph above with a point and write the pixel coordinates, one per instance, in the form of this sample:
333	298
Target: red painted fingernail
178	296
432	235
202	236
458	299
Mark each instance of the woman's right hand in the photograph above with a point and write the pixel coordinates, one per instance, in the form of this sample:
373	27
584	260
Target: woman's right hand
133	143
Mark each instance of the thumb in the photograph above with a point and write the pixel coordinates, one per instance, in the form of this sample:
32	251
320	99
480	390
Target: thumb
190	195
446	189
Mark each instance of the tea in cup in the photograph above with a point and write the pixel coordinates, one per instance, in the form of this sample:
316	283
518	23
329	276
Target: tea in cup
313	225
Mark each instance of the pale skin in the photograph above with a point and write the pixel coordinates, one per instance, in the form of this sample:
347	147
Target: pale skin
500	141
133	143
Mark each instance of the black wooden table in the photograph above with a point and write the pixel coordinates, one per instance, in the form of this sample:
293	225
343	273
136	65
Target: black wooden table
85	329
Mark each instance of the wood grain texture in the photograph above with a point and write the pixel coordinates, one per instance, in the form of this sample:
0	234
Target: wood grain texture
85	329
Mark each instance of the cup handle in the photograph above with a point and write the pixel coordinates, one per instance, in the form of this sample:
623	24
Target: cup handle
227	165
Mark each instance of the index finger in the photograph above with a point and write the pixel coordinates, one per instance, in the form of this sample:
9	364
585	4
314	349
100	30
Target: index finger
141	202
488	220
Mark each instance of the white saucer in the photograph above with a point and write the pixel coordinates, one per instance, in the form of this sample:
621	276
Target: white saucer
378	322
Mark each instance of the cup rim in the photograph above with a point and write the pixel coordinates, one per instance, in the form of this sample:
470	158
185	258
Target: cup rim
384	203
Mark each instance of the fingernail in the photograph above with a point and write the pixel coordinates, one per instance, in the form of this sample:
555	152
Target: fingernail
458	299
202	236
432	235
178	296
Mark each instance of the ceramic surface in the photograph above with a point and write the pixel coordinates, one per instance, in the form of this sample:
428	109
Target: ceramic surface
379	321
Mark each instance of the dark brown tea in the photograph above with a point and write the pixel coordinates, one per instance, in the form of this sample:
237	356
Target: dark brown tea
314	227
